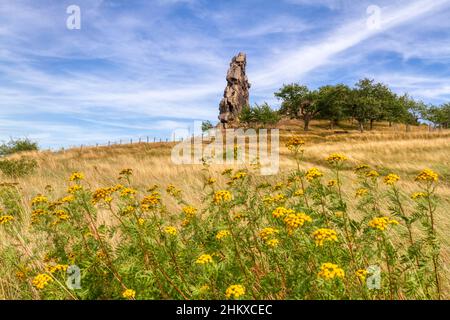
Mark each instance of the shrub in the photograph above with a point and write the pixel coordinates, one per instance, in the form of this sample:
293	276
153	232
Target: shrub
19	145
259	114
206	125
14	168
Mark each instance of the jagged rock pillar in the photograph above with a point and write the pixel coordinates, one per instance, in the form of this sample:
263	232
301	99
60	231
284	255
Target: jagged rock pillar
236	94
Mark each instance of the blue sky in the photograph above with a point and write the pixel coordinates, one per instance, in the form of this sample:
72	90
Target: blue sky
141	68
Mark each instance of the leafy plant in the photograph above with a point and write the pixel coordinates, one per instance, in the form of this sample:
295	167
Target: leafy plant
15	168
19	145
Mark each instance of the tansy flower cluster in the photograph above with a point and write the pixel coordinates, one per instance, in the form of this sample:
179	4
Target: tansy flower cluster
6	219
76	176
189	212
281	212
381	223
204	259
391	179
278	198
267	233
427	175
372	174
222	234
39	199
330	271
222	196
74	189
239	175
173	191
361	274
41	280
361	192
56	268
336	158
151	201
170	230
313	174
418	195
129	294
296	220
323	234
235	291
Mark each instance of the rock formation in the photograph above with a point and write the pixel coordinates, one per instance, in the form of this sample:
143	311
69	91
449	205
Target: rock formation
236	94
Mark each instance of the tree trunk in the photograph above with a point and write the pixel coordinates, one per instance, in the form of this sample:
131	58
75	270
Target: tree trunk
408	127
361	126
331	124
390	124
371	124
306	127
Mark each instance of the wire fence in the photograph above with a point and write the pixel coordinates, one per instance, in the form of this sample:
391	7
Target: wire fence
129	141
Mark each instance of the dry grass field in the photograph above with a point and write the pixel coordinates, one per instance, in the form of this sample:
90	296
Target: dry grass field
388	150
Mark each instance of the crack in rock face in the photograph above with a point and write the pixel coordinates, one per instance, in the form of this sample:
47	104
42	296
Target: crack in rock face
236	94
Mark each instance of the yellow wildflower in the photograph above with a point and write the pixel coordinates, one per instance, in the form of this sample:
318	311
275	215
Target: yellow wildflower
61	215
126	172
239	175
294	143
189	211
68	199
330	271
266	233
222	234
170	230
361	274
361	192
211	181
391	179
336	158
272	243
76	176
235	291
418	195
141	221
204	259
129	294
332	183
41	280
39	199
381	223
151	200
74	189
127	192
323	234
278	186
222	196
6	219
372	174
281	212
313	174
102	194
173	191
56	268
296	220
427	175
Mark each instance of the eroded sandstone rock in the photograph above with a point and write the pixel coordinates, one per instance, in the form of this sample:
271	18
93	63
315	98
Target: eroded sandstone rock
236	94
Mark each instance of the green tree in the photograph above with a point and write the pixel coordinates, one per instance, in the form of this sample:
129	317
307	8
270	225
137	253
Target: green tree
298	102
332	103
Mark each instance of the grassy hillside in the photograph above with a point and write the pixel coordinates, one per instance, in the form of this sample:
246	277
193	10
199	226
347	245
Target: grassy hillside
386	149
